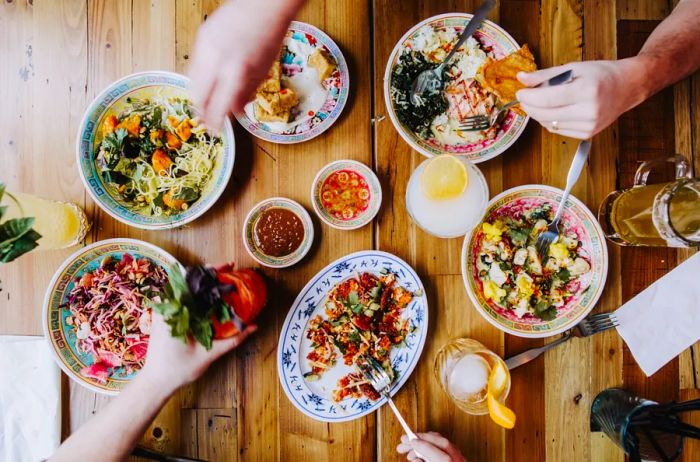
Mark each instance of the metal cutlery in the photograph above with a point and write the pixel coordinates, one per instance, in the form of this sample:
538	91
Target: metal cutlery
380	380
431	80
590	326
484	122
545	239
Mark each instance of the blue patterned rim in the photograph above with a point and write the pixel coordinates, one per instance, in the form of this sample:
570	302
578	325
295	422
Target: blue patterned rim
143	84
312	398
488	149
337	97
593	243
375	192
60	335
287	260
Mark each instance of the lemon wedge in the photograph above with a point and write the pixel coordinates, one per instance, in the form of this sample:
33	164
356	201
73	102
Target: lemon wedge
444	177
498	379
500	413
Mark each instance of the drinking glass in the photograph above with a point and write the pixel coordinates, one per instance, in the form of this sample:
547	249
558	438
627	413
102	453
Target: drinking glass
61	224
663	214
450	378
611	412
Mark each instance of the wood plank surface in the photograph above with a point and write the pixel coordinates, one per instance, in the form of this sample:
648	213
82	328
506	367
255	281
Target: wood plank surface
59	54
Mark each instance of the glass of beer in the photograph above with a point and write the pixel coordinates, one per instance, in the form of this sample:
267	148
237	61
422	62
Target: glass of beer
661	215
463	367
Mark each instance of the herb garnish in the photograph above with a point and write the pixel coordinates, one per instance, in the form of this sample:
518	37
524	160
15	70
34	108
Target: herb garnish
16	236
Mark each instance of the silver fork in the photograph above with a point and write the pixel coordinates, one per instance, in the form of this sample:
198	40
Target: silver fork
593	324
545	239
483	122
380	380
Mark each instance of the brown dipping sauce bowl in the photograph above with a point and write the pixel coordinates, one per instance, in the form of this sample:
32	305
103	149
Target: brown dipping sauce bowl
278	232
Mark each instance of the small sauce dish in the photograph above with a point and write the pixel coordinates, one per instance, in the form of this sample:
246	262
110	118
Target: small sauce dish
278	232
346	194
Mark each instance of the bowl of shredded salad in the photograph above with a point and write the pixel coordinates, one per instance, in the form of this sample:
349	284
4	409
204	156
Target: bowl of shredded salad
97	312
145	156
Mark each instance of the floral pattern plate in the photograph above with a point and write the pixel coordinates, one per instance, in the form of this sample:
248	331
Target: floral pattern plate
576	219
315	398
371	182
502	44
60	335
113	100
338	86
249	237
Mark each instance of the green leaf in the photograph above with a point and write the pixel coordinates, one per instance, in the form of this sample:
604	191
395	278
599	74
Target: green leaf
353	298
177	283
11	230
357	309
186	194
564	275
114	142
3	209
354	336
518	236
203	333
2	190
545	312
24	244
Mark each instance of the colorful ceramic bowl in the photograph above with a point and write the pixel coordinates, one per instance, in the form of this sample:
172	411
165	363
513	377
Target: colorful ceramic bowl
576	219
502	44
112	101
62	336
338	86
354	178
286	260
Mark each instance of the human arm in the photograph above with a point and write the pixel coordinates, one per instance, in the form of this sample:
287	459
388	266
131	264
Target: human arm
603	90
233	53
432	447
170	364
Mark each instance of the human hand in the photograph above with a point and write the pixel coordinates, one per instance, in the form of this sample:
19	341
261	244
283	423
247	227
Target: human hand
171	363
233	53
598	94
432	447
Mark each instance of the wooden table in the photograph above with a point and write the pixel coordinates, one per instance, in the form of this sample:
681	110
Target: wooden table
58	54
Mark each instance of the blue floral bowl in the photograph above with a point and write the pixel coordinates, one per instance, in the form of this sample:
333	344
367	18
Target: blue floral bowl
113	100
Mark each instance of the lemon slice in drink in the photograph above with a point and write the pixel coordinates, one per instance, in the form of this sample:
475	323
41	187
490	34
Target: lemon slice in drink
502	415
444	177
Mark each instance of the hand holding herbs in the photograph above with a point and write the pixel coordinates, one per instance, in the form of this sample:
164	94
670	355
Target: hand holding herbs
171	363
211	303
16	236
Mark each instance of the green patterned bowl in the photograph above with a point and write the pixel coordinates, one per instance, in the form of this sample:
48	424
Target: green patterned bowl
373	187
249	227
576	219
60	335
113	100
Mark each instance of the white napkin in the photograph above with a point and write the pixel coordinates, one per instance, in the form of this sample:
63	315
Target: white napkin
664	319
30	400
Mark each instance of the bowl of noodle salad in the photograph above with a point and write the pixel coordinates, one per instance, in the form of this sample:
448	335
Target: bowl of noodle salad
97	311
145	156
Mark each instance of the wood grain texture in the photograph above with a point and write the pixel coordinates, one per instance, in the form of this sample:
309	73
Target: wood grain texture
58	54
